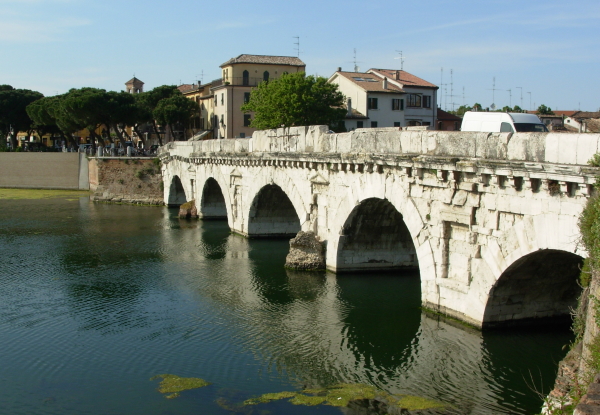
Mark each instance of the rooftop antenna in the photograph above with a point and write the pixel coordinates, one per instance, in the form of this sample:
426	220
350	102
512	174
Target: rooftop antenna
464	95
401	57
442	85
200	77
452	88
494	89
521	88
297	43
529	101
509	97
356	68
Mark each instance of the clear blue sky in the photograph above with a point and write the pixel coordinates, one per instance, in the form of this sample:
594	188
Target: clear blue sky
549	48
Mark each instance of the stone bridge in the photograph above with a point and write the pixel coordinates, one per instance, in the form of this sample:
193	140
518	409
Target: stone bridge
489	220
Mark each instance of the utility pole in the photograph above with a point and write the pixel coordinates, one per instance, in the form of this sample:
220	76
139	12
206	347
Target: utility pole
509	97
529	101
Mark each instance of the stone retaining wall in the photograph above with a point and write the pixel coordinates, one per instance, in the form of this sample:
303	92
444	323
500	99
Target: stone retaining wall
44	171
126	180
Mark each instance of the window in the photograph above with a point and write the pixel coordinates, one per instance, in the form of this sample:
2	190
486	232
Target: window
414	100
247	120
222	121
426	101
245	78
266	76
414	123
359	124
372	103
222	98
373	124
215	100
246	97
427	123
396	123
242	135
397	104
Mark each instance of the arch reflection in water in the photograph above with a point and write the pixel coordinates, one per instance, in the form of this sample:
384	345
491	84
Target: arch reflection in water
321	329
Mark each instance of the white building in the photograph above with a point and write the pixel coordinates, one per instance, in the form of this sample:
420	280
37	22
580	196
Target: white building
386	98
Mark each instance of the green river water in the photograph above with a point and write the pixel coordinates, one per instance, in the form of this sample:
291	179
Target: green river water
96	300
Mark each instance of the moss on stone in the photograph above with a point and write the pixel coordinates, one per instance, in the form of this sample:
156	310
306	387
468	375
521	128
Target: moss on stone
341	395
173	385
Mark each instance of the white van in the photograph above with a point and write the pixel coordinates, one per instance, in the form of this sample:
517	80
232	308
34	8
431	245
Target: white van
502	122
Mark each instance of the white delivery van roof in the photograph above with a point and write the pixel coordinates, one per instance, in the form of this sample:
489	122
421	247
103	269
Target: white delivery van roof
528	118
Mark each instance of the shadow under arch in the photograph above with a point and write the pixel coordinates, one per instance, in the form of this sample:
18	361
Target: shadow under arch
272	214
375	237
212	203
537	287
177	195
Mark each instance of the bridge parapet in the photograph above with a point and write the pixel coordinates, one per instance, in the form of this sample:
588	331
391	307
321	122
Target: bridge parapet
573	149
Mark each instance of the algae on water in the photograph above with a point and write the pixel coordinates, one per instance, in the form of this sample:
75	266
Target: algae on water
173	384
19	194
343	394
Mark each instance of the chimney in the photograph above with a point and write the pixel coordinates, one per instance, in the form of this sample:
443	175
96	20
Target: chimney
384	83
339	69
349	106
397	74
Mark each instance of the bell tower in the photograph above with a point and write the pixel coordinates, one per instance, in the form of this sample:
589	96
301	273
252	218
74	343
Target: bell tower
134	86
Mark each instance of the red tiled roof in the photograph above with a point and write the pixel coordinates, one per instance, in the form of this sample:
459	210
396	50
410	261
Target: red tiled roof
266	59
557	113
186	88
405	78
370	82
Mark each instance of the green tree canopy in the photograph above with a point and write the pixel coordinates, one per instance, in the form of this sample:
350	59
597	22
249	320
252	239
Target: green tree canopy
176	109
296	99
544	110
146	103
13	114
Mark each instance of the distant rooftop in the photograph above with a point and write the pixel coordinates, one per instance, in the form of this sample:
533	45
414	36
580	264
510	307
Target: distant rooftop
405	78
265	59
370	82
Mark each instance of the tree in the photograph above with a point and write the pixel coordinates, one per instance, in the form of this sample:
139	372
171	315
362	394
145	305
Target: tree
176	109
544	110
461	110
147	102
43	122
13	114
296	99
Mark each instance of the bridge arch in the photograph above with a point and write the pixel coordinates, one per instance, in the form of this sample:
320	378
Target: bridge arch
399	198
538	285
272	213
534	269
265	186
177	195
375	237
212	201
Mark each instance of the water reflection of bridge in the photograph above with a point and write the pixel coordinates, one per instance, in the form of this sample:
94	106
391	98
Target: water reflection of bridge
324	329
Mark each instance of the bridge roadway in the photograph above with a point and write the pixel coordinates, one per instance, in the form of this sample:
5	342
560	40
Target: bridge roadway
490	220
